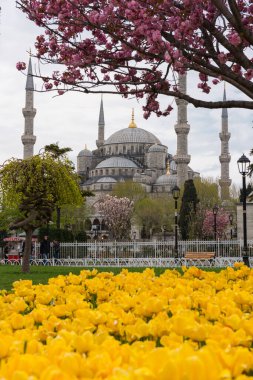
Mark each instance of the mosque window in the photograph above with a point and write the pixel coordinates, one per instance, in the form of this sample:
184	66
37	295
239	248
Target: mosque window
132	149
101	171
106	171
116	148
113	171
124	149
110	150
96	172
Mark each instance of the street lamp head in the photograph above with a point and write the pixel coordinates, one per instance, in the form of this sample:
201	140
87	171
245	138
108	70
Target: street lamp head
215	209
175	192
243	165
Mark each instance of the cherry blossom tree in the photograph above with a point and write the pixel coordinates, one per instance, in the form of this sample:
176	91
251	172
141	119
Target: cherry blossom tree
138	48
222	222
117	213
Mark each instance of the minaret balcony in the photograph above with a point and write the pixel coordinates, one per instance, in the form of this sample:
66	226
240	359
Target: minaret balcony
28	139
224	136
182	158
182	128
29	112
225	182
224	158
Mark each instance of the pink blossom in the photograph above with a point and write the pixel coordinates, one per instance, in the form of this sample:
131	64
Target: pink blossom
117	214
139	47
222	222
21	66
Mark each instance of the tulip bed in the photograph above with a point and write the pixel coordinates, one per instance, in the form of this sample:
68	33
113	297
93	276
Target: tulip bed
190	326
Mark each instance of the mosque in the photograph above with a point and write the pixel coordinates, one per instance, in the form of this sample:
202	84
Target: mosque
133	153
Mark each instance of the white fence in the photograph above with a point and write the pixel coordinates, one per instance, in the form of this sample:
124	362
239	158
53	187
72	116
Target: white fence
137	253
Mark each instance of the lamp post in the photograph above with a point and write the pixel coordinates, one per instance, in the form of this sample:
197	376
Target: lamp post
231	224
175	194
243	167
215	211
134	235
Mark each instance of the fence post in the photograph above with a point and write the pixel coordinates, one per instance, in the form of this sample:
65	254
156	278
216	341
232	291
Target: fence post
115	250
75	249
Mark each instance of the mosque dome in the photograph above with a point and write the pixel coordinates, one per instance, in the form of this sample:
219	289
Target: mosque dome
85	153
157	148
106	180
116	162
132	135
167	179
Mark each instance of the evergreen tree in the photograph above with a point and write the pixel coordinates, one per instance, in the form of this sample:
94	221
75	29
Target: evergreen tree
188	209
249	190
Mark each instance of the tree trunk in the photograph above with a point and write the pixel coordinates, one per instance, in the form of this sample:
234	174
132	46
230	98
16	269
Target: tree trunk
58	217
27	251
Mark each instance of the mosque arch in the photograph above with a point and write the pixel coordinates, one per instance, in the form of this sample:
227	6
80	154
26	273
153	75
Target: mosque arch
87	224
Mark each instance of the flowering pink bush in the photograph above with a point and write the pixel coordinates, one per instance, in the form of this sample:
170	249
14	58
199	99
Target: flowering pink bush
136	47
117	214
222	221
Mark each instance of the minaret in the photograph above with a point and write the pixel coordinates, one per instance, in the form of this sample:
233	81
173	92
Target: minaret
182	128
101	126
225	157
28	138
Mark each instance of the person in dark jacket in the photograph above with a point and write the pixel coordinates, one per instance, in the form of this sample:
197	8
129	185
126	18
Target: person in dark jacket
45	249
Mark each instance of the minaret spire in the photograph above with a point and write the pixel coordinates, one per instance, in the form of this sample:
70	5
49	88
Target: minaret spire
29	112
224	157
101	125
132	124
182	128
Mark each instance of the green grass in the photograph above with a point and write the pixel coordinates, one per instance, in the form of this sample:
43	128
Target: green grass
41	274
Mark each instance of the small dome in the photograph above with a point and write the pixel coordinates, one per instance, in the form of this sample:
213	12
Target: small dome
132	135
85	153
157	148
116	162
106	180
166	179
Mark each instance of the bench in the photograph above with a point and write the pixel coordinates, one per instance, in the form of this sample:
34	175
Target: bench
199	255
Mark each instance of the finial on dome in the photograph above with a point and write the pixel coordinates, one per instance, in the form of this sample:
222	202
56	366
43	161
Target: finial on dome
85	146
132	124
168	168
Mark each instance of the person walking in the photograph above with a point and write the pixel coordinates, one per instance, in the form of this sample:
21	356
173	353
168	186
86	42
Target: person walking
45	249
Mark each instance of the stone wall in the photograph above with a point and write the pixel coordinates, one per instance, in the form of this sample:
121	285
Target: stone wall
249	210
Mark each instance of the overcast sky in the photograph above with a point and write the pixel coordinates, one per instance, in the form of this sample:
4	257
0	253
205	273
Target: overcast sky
72	119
